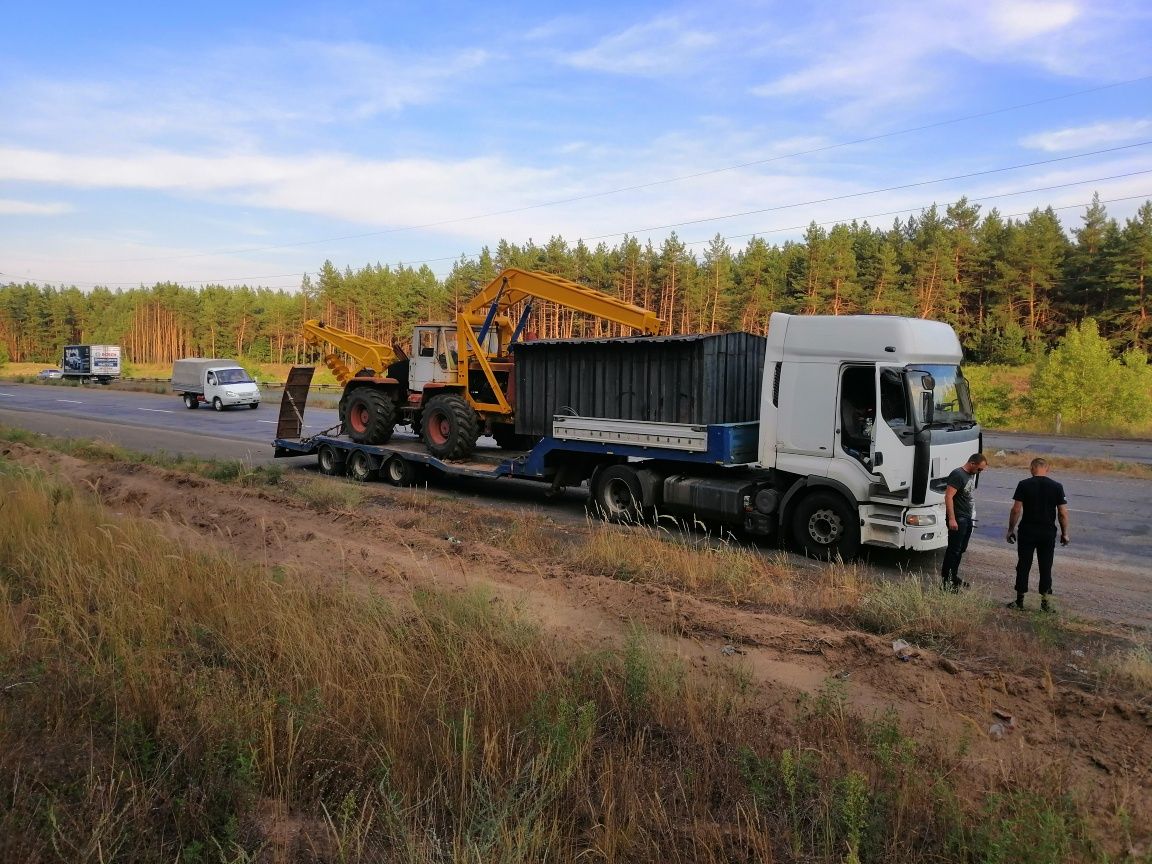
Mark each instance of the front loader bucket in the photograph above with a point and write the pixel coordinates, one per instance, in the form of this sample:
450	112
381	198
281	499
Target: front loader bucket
291	421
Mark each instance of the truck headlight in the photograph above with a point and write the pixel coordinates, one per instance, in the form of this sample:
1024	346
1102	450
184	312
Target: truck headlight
920	519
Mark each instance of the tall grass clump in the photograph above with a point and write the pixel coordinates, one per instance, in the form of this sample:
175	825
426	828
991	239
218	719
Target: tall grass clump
920	611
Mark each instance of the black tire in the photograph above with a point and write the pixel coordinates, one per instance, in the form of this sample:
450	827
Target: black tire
360	466
330	460
368	415
190	401
826	527
616	494
507	438
399	472
254	405
217	404
449	427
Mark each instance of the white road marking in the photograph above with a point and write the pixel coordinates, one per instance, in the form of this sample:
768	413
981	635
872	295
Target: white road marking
157	410
7	394
266	421
1070	509
73	401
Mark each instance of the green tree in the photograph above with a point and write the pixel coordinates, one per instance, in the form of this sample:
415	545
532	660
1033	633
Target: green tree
1081	381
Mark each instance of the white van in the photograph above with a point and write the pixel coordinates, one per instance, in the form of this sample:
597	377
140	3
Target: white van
216	382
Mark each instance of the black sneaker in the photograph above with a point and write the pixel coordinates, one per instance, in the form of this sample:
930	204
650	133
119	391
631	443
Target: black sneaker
1015	604
1044	607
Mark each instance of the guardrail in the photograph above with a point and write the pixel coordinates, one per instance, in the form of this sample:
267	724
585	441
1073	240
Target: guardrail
264	385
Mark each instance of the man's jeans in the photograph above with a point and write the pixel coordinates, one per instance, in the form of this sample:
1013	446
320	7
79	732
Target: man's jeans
957	545
1043	544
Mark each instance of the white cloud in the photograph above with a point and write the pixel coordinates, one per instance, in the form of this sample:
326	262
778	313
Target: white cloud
1083	137
658	47
10	207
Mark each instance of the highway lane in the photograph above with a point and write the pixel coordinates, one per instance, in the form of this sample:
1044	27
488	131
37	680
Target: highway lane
1109	514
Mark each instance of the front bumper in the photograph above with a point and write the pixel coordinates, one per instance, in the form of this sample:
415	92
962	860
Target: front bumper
885	525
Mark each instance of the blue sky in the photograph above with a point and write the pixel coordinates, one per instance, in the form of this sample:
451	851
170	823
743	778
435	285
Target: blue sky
249	142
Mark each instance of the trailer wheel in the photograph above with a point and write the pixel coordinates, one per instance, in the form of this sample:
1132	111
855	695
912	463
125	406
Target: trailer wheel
399	472
368	415
330	460
190	401
825	527
217	404
449	427
360	466
616	494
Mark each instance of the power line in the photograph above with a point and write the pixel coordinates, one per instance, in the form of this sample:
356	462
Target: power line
636	187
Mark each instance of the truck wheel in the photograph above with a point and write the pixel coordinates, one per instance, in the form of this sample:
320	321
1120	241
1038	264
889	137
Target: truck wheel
399	472
825	527
330	460
360	466
507	438
190	401
616	494
369	416
217	404
449	427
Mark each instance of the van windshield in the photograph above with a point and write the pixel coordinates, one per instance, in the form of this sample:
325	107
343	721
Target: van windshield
233	376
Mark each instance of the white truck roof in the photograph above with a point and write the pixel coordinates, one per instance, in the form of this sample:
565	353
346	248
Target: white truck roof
875	338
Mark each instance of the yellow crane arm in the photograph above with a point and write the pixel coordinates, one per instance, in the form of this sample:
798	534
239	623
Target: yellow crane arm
514	285
366	352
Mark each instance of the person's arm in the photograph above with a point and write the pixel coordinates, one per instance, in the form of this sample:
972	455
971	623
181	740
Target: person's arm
950	508
1062	515
1014	520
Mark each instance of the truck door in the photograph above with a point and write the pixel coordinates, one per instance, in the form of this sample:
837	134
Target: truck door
893	450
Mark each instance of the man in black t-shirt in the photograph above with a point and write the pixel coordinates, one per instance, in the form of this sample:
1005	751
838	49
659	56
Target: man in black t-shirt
1037	505
960	508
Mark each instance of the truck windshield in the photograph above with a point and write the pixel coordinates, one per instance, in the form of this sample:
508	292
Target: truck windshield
951	398
232	376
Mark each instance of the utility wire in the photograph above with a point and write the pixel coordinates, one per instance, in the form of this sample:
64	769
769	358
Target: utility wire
661	182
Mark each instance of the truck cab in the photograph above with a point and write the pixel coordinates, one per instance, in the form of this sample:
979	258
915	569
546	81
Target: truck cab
867	409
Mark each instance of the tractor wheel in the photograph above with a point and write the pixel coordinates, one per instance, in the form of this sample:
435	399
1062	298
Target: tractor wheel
825	527
616	494
360	466
449	427
368	415
507	438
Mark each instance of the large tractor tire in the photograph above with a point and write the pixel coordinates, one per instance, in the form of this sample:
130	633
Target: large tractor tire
826	527
449	427
368	416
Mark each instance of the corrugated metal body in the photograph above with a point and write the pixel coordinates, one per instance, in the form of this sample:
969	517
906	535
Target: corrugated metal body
710	378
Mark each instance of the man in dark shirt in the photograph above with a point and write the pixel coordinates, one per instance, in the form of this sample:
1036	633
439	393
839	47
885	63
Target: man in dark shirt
1036	506
960	506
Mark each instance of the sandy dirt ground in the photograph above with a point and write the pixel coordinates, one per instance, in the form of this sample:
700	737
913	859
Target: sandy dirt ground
1105	742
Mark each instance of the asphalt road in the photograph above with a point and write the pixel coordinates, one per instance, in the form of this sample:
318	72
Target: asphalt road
1109	515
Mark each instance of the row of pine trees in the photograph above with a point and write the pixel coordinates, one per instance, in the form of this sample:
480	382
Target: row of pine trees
1009	286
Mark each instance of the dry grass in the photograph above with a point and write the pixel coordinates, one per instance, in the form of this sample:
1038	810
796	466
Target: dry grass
162	705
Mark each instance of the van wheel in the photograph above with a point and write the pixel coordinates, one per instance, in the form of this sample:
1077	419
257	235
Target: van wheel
616	494
399	472
826	528
254	405
368	415
190	401
360	466
217	404
449	427
330	460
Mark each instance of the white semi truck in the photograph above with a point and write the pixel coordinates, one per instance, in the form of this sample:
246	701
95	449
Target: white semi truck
861	419
217	382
